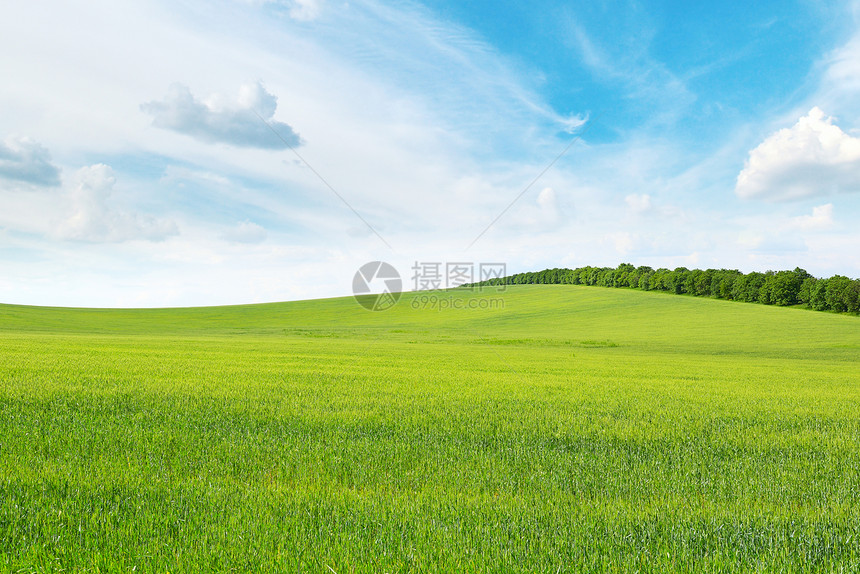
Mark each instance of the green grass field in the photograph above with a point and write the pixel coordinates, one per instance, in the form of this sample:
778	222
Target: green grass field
576	429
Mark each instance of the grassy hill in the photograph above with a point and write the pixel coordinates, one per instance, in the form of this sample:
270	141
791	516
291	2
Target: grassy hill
566	428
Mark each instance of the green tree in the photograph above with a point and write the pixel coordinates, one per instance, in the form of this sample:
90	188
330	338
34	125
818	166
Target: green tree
838	293
784	286
723	282
852	298
807	291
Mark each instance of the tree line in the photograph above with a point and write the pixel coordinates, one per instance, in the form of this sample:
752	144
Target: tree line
837	293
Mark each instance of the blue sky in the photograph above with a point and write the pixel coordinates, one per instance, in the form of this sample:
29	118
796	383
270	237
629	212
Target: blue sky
237	151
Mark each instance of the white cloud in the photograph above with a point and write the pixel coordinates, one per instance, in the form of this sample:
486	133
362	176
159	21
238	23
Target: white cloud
245	232
821	218
93	219
24	160
639	203
812	158
218	120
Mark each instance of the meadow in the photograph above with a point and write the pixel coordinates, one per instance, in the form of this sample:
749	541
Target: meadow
571	429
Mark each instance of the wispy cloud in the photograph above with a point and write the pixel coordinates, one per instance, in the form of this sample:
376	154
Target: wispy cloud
443	69
645	81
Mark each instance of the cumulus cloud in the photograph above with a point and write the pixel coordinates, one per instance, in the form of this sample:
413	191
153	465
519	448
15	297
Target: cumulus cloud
219	121
821	218
22	159
812	158
94	220
245	232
